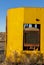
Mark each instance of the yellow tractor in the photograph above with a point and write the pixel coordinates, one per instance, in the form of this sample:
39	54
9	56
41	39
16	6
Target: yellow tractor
25	30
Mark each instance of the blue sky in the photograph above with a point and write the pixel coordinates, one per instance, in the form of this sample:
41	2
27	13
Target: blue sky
6	4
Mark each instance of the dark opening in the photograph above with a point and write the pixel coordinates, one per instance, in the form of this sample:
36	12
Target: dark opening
37	19
38	26
33	25
31	38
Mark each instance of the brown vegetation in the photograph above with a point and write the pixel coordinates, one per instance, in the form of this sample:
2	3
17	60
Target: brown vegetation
25	59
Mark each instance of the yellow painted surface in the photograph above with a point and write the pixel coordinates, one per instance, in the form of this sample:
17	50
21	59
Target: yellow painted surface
16	17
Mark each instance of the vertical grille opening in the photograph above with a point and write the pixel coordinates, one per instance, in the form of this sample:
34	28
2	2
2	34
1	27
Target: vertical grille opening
31	38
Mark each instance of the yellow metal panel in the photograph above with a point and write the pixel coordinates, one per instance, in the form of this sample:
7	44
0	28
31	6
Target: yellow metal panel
42	30
30	16
16	17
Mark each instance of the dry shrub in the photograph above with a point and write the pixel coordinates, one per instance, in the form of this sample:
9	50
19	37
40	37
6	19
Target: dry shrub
25	59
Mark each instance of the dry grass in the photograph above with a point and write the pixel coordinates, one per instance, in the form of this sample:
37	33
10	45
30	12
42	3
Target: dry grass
25	59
